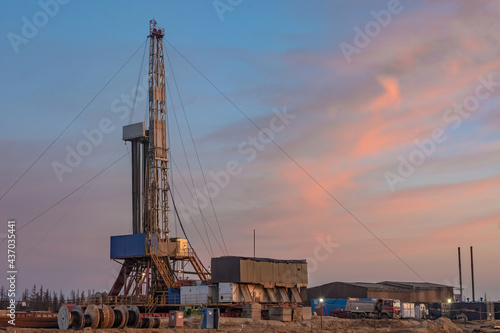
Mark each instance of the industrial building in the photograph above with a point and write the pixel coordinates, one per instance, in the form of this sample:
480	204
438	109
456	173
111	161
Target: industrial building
261	280
415	292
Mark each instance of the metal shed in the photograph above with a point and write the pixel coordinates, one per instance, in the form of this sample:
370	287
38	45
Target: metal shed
266	271
416	292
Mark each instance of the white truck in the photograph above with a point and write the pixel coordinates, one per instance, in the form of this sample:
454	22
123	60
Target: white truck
379	308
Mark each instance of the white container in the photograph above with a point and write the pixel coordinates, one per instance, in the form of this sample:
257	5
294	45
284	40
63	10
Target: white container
407	310
194	294
228	292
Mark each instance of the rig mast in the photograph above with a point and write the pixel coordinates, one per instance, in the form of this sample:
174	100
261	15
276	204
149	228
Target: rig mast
152	262
156	202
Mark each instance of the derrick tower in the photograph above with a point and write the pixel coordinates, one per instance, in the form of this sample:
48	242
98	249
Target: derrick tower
156	201
151	261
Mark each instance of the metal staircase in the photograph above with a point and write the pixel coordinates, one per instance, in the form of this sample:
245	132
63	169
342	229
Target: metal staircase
202	274
166	274
151	305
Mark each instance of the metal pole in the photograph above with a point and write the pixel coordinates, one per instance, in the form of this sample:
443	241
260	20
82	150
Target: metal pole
136	190
144	193
254	243
472	273
460	274
321	303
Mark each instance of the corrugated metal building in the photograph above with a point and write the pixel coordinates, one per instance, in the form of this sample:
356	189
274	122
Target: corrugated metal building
404	291
265	271
263	280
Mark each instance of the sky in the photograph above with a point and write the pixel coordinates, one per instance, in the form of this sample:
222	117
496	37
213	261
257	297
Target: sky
383	117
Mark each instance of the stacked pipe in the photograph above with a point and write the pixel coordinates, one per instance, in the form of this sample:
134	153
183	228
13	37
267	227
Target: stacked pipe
104	317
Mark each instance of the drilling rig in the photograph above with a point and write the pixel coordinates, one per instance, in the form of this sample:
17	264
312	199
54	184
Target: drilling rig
152	261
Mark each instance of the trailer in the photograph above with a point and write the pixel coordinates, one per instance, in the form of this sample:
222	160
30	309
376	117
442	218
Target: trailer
380	308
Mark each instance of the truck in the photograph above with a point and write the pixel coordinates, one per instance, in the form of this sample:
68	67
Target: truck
382	308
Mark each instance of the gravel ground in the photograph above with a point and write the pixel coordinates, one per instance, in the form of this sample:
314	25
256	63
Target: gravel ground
330	324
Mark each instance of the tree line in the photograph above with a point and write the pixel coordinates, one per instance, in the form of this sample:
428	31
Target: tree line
40	299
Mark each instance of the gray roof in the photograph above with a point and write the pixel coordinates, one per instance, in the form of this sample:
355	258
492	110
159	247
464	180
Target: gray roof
394	285
421	285
295	261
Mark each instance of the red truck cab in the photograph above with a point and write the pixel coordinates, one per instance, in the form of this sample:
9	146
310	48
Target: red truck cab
390	308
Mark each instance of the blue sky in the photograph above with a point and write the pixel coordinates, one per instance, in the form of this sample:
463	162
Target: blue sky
352	122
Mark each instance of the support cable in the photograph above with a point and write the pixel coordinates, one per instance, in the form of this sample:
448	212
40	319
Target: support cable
194	199
298	165
185	235
67	212
68	195
196	152
71	123
138	83
205	222
171	177
195	226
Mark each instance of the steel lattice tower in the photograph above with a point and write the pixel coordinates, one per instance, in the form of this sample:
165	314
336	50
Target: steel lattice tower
152	261
156	202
